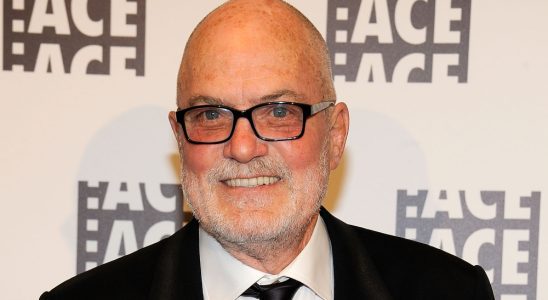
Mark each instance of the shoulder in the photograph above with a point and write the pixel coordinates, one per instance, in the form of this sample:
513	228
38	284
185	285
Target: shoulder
388	250
412	268
125	278
129	277
383	246
407	269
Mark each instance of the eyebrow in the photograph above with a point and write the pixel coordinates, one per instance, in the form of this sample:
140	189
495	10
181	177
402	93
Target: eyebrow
279	94
204	99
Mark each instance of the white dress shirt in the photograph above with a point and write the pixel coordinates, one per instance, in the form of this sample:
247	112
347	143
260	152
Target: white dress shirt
226	278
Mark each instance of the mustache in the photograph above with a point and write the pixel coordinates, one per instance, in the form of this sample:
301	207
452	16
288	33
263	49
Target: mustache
260	166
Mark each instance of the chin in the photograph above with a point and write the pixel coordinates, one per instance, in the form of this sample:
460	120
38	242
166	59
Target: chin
238	225
248	223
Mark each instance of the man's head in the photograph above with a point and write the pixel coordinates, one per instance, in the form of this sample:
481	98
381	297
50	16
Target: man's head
247	190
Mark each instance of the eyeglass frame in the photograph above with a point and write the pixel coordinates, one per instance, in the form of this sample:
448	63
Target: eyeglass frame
308	110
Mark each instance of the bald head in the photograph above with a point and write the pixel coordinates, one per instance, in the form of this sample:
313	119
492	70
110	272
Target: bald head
243	35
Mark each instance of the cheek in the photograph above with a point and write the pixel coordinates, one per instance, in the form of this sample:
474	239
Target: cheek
302	154
198	159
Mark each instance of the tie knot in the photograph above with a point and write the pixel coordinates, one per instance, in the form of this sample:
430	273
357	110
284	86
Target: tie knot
276	291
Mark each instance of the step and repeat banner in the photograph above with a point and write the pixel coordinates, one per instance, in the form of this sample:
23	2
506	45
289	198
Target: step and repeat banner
448	139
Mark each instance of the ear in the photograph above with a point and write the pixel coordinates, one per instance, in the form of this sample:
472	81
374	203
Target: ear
338	131
176	128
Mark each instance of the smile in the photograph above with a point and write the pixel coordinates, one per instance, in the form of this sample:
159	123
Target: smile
251	182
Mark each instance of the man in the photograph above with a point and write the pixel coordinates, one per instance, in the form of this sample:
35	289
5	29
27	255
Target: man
259	131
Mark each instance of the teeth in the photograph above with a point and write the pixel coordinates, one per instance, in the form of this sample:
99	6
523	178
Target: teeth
251	182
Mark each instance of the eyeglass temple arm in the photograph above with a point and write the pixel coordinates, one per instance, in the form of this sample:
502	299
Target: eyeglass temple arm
320	106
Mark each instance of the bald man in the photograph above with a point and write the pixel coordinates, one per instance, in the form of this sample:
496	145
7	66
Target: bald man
259	130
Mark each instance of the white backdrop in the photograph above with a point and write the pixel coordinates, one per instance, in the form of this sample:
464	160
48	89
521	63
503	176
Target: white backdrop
468	158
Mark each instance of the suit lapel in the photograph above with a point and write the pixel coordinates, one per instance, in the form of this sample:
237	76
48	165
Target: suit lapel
178	274
356	276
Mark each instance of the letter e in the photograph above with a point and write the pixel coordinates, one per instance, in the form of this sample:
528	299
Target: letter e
118	60
440	68
118	20
512	256
442	23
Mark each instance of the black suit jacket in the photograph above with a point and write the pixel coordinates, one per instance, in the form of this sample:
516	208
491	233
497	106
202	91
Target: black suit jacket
367	265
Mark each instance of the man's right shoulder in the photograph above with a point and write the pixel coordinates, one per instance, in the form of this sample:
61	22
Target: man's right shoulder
131	276
127	277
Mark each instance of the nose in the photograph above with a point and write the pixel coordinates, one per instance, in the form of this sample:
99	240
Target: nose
244	144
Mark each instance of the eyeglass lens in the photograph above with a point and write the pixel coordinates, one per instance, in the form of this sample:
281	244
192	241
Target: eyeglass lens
273	121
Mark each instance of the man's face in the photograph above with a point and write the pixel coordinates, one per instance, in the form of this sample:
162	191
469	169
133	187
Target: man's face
221	182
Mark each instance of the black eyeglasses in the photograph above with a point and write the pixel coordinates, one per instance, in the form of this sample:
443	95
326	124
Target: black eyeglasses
271	121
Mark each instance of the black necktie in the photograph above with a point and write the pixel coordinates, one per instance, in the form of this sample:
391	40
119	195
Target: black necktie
276	291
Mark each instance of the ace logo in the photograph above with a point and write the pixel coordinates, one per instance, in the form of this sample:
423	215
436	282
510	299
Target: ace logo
495	229
399	40
75	36
116	218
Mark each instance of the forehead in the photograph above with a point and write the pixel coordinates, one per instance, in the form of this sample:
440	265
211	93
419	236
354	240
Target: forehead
241	77
246	62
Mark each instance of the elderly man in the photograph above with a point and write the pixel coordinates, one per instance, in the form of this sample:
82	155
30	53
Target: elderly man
259	131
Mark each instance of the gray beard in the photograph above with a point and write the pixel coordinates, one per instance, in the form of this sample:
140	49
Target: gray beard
255	236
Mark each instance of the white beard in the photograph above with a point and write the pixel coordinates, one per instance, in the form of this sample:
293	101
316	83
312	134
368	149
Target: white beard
281	227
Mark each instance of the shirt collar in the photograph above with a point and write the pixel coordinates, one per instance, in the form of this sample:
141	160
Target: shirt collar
225	277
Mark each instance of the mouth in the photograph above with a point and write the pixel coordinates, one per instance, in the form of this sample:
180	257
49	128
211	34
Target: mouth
251	182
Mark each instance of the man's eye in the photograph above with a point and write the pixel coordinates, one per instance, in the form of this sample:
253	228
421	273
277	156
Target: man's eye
279	112
211	114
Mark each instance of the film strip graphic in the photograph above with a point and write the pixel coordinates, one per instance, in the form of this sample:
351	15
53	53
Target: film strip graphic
399	41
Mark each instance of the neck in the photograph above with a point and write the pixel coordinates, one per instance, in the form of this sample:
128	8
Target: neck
272	256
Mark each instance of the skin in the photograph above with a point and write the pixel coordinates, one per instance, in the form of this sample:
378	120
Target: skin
244	53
